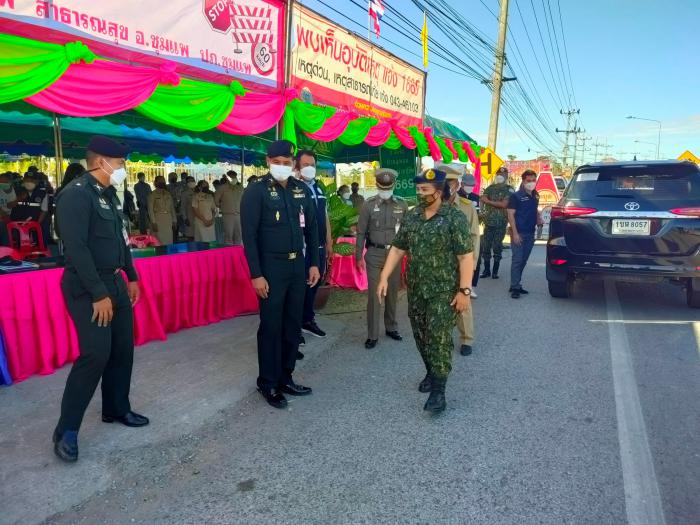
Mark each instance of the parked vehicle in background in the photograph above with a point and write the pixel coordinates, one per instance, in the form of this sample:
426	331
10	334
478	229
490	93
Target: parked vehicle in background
629	220
561	183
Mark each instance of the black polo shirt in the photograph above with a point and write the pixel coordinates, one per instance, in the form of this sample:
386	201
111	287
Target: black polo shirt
525	205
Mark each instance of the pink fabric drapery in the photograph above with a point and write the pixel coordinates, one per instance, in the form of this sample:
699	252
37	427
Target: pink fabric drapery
344	273
256	112
450	146
378	134
334	126
432	145
477	165
177	291
102	88
404	136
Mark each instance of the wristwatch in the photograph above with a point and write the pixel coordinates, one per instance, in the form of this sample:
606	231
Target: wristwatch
466	291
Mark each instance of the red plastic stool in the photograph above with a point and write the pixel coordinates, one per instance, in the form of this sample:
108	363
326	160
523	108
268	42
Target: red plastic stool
23	242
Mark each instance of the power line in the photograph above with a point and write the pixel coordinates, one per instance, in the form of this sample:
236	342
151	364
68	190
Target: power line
566	52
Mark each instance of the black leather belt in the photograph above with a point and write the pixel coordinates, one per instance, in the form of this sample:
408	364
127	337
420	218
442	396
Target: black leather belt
289	256
380	246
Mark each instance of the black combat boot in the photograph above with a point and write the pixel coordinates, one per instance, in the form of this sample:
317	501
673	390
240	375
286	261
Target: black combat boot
496	266
436	401
487	269
425	384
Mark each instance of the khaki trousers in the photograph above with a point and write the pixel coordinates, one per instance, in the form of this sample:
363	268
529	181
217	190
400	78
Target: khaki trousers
374	259
232	228
164	222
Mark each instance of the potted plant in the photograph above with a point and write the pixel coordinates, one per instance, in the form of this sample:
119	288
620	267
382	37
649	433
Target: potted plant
343	219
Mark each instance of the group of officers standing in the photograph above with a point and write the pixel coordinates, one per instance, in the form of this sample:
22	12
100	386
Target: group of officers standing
189	208
285	231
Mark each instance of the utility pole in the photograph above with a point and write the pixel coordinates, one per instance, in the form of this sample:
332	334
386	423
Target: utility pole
498	74
568	131
596	146
583	148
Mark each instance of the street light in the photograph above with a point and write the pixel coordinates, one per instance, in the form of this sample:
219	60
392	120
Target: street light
658	142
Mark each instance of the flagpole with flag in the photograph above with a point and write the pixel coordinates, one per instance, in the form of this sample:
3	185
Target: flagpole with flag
424	39
376	12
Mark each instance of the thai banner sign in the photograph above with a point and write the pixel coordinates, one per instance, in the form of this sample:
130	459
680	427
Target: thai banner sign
402	160
332	66
243	39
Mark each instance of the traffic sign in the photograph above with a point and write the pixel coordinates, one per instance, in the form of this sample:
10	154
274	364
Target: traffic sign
490	162
687	155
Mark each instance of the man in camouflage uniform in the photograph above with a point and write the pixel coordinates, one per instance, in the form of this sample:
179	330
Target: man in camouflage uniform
494	202
436	238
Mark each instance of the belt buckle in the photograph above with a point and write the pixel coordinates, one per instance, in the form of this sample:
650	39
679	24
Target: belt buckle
292	255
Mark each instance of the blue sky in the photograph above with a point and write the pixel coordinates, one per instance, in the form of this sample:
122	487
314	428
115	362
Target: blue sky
627	57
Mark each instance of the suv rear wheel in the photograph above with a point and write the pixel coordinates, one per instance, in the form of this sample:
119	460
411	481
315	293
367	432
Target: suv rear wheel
693	294
561	289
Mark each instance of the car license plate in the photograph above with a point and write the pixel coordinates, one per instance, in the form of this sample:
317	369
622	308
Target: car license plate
630	227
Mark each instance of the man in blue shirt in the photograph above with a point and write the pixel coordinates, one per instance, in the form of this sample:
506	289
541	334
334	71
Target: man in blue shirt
523	217
306	168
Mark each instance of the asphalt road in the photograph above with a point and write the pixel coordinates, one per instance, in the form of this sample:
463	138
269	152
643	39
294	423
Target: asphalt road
581	411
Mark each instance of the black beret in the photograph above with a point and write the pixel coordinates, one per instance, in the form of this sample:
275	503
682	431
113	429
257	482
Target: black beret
107	147
280	148
430	176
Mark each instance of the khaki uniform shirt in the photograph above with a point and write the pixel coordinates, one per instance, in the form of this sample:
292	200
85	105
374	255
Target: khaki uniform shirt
161	202
204	204
228	198
379	222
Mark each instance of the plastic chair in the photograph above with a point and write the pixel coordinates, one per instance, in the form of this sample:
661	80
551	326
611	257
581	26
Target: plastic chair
6	251
20	234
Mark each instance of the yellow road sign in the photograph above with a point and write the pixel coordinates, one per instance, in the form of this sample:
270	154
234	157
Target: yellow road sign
687	155
490	162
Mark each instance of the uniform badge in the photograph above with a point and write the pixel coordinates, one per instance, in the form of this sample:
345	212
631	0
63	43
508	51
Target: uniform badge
277	216
274	194
429	175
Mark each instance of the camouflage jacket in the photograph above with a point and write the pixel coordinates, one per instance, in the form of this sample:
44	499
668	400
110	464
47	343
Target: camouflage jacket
433	246
496	216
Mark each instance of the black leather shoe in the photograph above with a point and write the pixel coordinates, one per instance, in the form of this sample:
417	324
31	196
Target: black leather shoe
486	273
300	356
65	446
313	329
394	335
302	341
515	294
274	398
523	291
293	389
370	343
130	419
465	350
425	385
436	402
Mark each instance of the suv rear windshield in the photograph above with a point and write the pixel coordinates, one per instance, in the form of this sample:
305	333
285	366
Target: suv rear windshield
662	182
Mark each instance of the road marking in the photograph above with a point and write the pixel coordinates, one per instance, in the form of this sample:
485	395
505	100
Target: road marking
696	329
642	496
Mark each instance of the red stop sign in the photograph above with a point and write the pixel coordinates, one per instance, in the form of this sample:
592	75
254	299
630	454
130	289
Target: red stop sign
217	13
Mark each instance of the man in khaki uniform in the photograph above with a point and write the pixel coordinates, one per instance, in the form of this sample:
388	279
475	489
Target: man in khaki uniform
459	198
186	211
228	200
161	211
380	217
204	210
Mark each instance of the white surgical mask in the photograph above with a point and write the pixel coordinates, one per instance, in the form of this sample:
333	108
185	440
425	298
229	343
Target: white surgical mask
469	189
345	195
529	186
192	185
117	176
29	186
500	179
385	195
280	172
308	173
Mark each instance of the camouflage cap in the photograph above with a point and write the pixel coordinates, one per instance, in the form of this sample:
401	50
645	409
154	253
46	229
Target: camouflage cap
385	178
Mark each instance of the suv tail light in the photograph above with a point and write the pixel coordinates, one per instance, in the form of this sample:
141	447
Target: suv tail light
564	212
687	212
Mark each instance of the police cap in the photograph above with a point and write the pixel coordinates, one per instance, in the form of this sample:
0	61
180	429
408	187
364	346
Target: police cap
385	178
280	148
468	179
107	147
431	176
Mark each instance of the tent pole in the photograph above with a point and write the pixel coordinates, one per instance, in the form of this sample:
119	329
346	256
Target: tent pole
58	148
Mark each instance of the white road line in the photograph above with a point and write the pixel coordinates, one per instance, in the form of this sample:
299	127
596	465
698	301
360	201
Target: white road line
642	496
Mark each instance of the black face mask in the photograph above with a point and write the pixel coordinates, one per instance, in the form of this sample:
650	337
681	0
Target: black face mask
425	201
160	185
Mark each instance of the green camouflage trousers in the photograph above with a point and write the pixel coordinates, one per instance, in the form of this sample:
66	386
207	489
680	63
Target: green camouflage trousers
492	240
432	321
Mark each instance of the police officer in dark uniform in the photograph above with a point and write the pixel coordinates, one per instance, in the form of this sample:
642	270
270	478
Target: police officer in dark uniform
98	300
278	219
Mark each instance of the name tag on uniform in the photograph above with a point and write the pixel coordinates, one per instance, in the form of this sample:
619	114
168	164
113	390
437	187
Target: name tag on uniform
376	207
299	195
126	236
302	217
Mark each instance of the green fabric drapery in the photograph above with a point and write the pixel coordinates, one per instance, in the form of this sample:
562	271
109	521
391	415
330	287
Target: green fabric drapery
420	140
461	154
192	105
29	66
392	142
357	131
447	155
308	117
